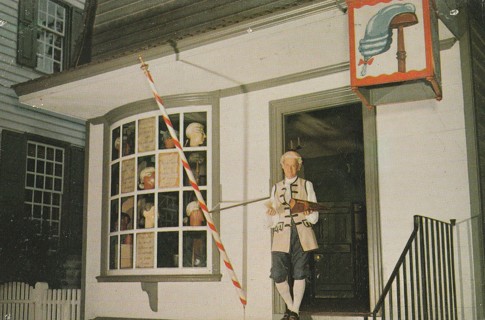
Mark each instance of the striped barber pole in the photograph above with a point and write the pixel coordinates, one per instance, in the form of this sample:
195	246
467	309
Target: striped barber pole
195	187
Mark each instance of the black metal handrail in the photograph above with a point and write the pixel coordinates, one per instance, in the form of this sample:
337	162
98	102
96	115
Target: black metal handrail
422	285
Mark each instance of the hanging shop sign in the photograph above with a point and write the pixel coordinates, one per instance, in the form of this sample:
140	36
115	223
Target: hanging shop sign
394	50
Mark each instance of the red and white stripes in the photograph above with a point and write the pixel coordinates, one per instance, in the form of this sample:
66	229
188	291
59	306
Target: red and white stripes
193	183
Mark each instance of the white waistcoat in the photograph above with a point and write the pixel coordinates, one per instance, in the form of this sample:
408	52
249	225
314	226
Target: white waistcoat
282	230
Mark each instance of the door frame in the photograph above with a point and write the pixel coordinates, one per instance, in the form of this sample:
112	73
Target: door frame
327	99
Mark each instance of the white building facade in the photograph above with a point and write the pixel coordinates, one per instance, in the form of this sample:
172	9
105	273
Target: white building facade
243	88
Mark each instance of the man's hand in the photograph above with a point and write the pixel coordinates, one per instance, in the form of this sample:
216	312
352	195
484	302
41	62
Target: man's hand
271	211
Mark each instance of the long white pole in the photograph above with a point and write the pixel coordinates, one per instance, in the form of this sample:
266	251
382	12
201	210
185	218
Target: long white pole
195	187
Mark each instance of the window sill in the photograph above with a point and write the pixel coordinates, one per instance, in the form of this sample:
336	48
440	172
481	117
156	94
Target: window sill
161	278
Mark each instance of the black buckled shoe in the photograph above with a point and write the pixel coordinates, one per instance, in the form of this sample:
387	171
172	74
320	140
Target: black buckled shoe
293	316
286	316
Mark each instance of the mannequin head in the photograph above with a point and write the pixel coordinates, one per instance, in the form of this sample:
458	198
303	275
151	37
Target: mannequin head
168	141
196	217
195	133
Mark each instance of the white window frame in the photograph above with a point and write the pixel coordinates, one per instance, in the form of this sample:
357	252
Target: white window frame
46	193
207	189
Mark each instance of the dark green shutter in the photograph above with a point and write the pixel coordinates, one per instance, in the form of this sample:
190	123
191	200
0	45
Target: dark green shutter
77	26
12	171
27	33
12	214
74	216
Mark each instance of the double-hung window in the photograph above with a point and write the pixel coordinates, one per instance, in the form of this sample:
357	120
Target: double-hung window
155	224
48	33
44	189
51	20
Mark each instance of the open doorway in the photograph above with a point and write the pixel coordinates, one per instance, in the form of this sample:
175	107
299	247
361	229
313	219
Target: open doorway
330	141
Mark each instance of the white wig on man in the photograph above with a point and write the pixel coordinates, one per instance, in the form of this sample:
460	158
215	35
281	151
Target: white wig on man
291	155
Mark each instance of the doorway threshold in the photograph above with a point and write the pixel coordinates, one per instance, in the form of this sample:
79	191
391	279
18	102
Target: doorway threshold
329	316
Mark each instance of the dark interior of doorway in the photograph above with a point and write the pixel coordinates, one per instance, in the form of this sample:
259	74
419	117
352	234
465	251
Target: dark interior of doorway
330	141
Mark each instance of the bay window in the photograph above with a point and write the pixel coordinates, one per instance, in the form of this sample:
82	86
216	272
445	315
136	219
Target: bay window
154	225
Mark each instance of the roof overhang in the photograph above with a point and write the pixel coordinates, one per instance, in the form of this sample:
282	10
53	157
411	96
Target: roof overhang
281	45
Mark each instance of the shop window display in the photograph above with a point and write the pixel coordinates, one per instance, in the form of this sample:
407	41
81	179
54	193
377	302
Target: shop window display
155	223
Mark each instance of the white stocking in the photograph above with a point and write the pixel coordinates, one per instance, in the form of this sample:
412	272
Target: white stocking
298	292
284	290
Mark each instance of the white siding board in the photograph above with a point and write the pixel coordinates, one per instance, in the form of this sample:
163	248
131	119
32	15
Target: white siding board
76	3
10	74
14	116
16	119
10	7
7	45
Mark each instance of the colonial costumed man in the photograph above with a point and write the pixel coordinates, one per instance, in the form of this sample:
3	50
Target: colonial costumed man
293	236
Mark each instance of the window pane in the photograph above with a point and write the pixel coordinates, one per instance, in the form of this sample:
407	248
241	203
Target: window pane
39	182
195	124
114	225
128	141
169	166
49	183
47	198
146	211
38	196
49	168
127	209
167	248
113	252
31	150
115	144
50	154
30	180
146	172
115	179
145	250
146	134
168	208
40	152
58	172
46	213
58	184
198	164
128	176
59	157
56	199
40	166
165	139
55	213
195	249
30	165
126	251
191	205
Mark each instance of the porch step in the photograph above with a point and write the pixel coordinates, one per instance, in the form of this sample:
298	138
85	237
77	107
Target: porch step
305	316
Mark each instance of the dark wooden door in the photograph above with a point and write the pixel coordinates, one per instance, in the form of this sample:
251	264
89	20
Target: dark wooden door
339	281
334	261
330	141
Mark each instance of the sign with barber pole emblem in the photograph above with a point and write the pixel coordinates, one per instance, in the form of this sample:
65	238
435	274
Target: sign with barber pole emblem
394	50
